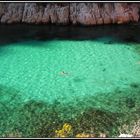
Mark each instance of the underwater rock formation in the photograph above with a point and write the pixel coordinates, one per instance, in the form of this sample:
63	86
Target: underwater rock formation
69	13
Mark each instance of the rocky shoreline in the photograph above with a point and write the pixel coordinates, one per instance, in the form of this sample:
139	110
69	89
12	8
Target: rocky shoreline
69	13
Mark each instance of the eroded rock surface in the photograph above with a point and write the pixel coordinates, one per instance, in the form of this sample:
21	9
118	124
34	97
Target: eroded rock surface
69	13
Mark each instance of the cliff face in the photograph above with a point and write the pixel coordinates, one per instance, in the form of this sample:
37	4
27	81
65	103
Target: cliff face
69	13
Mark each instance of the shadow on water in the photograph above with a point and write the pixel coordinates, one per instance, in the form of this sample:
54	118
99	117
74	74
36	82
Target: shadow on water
37	35
21	33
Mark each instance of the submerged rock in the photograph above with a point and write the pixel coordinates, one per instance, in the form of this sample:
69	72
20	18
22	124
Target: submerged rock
69	13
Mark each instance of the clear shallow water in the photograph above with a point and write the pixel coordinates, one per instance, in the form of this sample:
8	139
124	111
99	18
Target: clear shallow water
68	76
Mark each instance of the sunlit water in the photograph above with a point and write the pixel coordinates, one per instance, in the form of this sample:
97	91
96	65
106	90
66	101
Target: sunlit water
102	74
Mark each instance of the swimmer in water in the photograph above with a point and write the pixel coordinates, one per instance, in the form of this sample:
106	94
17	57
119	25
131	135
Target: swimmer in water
63	73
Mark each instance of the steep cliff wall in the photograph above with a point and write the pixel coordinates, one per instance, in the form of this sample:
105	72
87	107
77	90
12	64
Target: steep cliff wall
69	13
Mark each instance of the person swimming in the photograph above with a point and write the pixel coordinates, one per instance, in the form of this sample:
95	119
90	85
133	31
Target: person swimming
63	73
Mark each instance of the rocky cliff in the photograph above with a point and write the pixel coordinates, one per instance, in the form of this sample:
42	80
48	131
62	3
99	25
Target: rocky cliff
69	13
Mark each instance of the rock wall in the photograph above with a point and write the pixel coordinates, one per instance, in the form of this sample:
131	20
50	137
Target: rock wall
69	13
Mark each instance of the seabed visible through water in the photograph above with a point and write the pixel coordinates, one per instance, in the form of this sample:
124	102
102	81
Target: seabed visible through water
55	78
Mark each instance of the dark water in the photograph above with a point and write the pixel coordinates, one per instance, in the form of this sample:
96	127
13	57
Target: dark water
16	33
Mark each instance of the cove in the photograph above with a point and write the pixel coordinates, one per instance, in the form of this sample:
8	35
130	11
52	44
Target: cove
86	81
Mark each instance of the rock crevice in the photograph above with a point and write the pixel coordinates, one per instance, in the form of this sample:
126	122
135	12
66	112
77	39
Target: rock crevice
69	13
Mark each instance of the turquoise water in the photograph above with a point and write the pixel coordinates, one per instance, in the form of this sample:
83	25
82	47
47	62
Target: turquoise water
102	74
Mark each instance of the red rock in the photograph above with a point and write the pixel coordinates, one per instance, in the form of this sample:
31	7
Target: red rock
69	13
